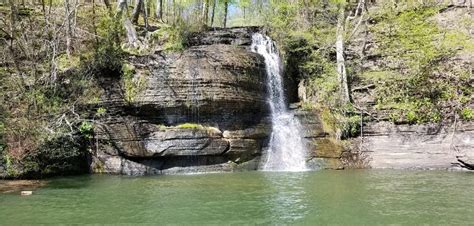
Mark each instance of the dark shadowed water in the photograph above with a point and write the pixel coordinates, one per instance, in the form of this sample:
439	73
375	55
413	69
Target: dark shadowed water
365	197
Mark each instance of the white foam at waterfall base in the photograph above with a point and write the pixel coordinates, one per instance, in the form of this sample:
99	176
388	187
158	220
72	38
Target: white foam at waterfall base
286	150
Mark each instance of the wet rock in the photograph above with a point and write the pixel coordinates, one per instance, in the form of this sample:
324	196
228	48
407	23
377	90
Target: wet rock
133	168
172	142
324	151
26	193
259	132
328	148
325	163
241	36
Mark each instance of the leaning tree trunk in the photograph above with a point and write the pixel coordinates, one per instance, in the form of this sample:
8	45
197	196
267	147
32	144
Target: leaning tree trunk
466	165
131	33
341	65
107	4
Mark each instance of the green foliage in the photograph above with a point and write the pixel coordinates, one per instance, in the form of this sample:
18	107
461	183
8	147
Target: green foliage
64	62
307	46
174	37
107	59
11	170
329	121
413	112
189	126
408	36
57	156
133	84
2	142
100	112
467	113
414	48
351	126
86	129
340	123
128	70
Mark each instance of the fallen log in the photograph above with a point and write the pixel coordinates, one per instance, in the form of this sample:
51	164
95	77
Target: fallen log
466	165
363	88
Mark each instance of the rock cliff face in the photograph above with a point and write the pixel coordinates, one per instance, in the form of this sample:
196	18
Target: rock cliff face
385	145
203	109
323	152
418	146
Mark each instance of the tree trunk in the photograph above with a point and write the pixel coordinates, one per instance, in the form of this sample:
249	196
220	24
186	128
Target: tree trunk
466	165
136	11
93	24
341	65
147	7
174	11
145	14
206	11
107	4
131	33
122	6
159	10
213	12
226	8
68	28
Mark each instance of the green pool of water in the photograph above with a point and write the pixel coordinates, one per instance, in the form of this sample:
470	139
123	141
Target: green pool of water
365	197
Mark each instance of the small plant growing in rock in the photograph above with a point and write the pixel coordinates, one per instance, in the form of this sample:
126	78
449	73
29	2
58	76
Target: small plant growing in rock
100	112
86	129
467	113
189	126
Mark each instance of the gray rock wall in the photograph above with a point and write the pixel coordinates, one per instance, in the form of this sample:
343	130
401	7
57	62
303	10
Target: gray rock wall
418	146
200	110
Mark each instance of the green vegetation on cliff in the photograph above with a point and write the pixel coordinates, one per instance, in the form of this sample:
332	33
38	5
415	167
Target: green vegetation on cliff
403	64
415	82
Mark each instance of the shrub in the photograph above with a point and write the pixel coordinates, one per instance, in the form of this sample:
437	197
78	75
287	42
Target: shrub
132	84
100	112
86	129
467	113
63	155
350	126
108	56
2	142
173	38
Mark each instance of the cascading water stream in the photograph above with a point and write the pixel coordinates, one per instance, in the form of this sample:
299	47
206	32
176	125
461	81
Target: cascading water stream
286	149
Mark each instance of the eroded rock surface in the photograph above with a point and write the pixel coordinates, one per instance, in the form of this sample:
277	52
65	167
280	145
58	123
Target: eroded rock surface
324	153
419	146
203	109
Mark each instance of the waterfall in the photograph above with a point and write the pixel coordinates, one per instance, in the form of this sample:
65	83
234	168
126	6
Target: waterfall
286	150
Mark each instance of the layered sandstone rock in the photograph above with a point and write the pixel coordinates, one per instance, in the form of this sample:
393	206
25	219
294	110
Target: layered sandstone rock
203	109
419	146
